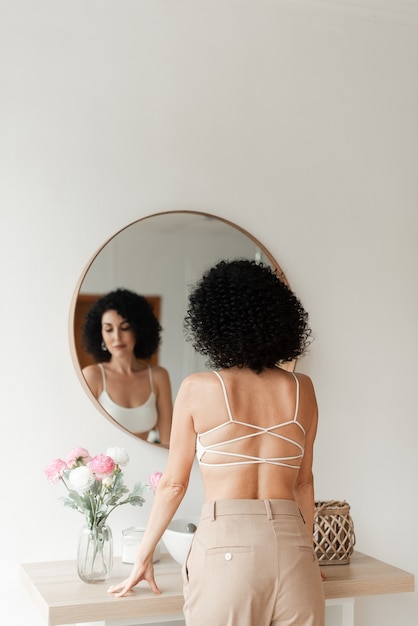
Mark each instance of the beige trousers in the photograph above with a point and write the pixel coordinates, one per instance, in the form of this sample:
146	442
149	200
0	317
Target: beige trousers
251	563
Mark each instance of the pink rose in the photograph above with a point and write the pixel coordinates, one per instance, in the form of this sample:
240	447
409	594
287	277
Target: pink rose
154	479
77	456
55	470
102	465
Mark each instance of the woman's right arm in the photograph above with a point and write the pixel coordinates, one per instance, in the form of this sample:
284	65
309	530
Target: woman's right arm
169	493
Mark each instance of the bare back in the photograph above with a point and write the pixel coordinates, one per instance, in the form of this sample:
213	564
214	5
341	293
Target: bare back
262	451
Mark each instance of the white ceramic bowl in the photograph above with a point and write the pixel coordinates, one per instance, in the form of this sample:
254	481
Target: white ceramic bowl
177	538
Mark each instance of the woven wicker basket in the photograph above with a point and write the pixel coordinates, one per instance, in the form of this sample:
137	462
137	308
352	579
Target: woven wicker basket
334	537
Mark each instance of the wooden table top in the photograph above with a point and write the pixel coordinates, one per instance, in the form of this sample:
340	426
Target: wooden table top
63	598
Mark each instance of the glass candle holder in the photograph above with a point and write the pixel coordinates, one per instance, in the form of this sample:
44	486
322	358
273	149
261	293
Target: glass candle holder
131	538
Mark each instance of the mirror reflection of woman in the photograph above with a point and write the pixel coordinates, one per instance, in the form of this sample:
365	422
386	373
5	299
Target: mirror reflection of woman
121	332
252	426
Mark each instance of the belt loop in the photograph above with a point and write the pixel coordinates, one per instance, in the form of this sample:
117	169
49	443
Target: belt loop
267	504
213	511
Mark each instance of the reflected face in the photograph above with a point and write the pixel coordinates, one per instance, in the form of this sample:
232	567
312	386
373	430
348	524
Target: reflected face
117	334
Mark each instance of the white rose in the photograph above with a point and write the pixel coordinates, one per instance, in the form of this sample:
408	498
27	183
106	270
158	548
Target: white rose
107	481
81	478
119	455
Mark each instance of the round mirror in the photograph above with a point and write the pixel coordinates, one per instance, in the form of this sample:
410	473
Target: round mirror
160	257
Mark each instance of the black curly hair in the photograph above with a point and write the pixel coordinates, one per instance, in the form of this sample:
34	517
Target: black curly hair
136	310
242	315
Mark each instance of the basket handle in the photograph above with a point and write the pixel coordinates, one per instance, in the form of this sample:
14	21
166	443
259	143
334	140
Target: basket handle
331	504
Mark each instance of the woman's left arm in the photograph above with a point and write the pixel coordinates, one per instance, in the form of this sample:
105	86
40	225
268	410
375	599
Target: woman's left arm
304	488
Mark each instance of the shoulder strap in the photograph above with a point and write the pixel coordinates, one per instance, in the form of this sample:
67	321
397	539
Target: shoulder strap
103	375
151	381
295	418
228	408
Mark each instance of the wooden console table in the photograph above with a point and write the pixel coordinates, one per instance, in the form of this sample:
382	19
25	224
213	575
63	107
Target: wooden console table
64	599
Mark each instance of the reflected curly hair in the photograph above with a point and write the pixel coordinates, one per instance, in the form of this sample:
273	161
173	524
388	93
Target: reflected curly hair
136	310
242	315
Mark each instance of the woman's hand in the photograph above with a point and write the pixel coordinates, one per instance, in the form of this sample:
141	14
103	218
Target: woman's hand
139	572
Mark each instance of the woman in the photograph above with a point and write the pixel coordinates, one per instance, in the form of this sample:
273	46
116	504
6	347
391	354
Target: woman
122	332
252	427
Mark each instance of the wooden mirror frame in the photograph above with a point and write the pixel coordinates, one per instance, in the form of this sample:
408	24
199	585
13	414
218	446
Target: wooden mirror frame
77	313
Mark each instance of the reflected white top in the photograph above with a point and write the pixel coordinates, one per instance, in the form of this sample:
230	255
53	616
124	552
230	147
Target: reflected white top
138	419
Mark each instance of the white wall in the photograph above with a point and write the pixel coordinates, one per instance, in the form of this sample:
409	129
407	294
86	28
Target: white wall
297	123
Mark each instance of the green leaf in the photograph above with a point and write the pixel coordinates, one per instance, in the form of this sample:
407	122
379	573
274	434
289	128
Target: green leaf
136	500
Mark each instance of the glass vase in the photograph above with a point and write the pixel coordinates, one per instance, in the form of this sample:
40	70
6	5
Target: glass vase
95	554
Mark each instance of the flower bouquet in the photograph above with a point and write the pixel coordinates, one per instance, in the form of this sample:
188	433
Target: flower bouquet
95	487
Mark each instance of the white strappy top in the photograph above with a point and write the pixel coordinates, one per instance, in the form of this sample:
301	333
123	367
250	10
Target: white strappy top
139	419
284	461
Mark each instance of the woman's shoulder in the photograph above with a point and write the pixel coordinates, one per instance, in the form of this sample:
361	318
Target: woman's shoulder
93	377
94	367
288	378
91	372
196	386
159	371
307	393
304	380
198	379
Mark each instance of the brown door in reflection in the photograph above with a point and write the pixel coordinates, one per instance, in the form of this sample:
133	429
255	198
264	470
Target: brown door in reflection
83	304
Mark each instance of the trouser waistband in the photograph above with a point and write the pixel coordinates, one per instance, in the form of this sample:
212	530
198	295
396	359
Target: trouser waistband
269	508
